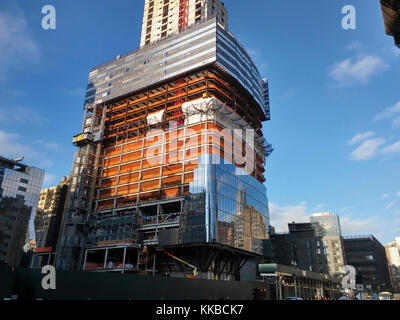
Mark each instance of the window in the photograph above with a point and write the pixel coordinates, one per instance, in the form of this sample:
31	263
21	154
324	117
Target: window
21	189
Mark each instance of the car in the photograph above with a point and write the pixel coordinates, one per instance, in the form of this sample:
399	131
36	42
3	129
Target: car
344	298
293	298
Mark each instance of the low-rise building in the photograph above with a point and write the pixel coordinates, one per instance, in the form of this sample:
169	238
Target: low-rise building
367	255
48	219
393	257
301	248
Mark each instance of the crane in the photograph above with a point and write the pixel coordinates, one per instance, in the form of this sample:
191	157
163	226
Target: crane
195	273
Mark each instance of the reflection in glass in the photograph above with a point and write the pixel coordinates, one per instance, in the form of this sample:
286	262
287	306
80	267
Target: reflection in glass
224	207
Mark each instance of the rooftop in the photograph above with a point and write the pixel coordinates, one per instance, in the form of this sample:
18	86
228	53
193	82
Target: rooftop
13	164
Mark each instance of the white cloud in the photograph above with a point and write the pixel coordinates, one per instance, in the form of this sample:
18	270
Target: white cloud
392	149
348	72
11	147
391	205
389	112
390	195
281	216
354	226
16	44
360	137
367	150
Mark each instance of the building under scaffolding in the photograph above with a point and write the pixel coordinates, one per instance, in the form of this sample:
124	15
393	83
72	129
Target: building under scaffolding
169	172
285	282
391	19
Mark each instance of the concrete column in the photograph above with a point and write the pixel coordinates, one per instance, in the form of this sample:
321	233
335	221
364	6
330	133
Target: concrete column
123	260
84	261
105	259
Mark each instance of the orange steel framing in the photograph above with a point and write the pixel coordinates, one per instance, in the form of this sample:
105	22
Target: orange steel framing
139	163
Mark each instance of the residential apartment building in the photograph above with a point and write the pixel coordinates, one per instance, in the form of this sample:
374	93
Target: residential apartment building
162	18
49	214
393	258
50	210
332	239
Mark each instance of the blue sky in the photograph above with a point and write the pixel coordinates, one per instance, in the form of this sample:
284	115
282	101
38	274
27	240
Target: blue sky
335	97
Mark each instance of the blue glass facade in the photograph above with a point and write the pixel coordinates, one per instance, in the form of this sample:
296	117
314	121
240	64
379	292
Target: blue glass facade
226	206
330	223
24	185
20	187
195	47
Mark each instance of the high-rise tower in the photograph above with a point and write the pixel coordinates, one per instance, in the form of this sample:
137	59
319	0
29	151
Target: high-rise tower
171	136
166	17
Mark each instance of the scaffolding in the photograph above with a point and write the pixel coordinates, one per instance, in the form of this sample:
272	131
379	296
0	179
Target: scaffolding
183	14
127	178
83	181
137	157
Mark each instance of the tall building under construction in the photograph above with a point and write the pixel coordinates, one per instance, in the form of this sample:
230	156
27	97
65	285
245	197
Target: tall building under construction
169	177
